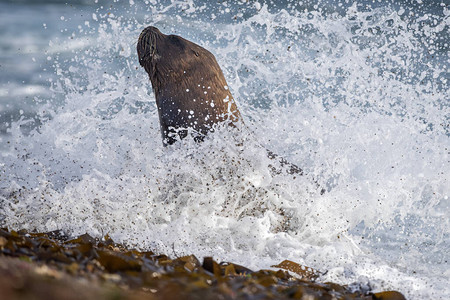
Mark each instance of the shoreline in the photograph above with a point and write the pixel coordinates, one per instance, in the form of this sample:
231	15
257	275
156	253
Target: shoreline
53	266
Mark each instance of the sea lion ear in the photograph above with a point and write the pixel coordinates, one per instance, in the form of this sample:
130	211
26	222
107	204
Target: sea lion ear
195	52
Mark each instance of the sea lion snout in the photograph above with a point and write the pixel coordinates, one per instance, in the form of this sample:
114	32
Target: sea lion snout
147	45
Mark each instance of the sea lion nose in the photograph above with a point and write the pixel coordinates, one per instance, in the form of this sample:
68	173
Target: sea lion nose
150	29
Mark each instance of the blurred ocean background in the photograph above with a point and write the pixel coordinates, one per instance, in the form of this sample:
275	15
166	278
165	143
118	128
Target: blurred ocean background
355	92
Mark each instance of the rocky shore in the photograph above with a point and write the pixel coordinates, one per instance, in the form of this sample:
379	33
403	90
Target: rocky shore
54	266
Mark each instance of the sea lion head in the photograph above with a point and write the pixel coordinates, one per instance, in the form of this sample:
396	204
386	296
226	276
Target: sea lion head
189	86
162	55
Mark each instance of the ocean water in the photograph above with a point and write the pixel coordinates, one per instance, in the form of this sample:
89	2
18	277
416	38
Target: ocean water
354	92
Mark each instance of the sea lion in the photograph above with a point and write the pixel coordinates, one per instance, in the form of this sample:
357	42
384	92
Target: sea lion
189	86
190	89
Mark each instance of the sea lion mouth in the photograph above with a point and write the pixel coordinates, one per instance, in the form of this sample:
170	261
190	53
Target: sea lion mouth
147	45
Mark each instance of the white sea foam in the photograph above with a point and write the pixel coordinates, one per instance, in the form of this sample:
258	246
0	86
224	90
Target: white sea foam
352	98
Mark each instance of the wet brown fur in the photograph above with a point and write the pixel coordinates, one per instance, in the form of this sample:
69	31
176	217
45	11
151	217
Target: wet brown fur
181	72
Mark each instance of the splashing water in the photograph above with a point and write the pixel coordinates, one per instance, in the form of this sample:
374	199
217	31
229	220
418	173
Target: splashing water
355	94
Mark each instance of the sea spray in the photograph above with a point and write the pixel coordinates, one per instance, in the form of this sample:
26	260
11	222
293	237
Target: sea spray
356	96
